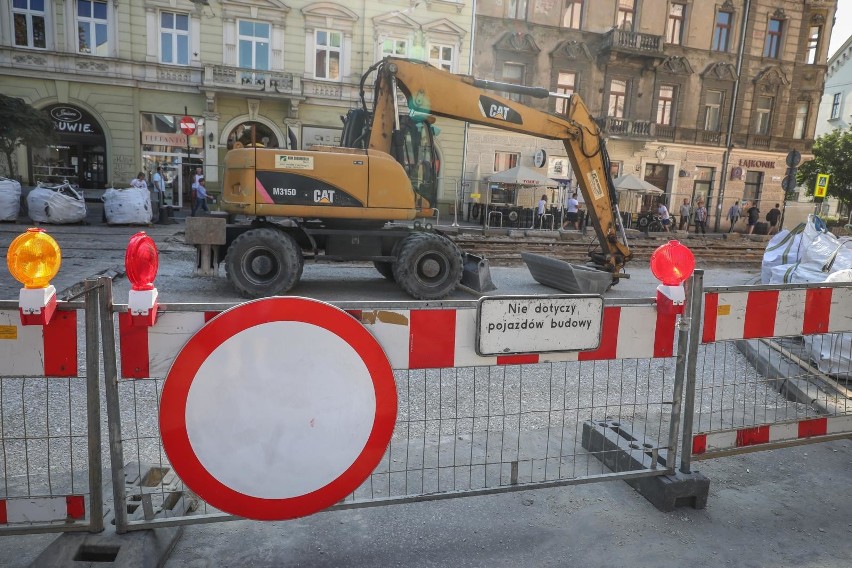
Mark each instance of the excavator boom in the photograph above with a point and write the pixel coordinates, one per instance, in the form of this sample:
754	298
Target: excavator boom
436	92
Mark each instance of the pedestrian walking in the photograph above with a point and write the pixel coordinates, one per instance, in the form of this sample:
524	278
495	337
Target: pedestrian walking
158	190
195	178
753	216
734	215
665	218
685	211
572	208
773	216
542	207
701	218
201	197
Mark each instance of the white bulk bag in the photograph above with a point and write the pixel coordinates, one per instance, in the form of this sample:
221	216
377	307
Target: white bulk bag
787	247
127	206
832	352
826	255
61	204
10	199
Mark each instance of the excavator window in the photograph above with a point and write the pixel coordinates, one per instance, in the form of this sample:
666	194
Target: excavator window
415	151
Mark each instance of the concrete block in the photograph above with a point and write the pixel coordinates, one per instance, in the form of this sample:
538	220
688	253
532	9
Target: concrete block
517	233
732	236
495	232
622	447
137	549
539	234
205	231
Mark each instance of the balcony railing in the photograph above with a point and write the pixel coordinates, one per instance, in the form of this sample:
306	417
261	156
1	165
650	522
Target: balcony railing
625	127
633	42
252	80
664	132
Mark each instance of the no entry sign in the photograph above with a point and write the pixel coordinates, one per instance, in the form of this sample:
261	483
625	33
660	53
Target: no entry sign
278	408
187	125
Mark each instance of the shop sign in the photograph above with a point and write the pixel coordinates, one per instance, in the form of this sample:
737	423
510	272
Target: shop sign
163	139
72	120
758	164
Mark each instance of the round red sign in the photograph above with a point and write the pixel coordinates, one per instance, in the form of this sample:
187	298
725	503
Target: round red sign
187	125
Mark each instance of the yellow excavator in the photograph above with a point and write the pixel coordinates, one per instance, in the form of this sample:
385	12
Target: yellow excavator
345	203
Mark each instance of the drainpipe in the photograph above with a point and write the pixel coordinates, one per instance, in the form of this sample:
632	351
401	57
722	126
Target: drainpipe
730	134
459	199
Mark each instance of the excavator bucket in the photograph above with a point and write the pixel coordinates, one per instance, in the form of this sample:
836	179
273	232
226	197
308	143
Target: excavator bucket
476	275
571	278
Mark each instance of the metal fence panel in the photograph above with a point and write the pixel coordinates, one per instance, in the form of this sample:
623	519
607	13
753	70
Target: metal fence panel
462	428
758	381
50	468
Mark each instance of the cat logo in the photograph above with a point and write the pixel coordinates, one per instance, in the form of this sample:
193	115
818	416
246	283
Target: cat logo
499	112
325	196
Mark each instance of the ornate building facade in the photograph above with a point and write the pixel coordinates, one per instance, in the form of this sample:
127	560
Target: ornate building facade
702	99
117	77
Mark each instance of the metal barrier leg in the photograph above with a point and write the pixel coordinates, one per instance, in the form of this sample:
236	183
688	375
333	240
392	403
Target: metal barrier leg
697	293
93	418
116	454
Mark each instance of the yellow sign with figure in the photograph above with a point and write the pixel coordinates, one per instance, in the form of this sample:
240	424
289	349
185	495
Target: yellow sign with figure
821	185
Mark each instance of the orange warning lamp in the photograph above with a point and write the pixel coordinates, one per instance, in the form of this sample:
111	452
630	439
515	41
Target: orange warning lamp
141	261
672	264
34	259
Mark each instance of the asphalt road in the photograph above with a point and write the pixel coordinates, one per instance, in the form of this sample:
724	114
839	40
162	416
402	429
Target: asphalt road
778	508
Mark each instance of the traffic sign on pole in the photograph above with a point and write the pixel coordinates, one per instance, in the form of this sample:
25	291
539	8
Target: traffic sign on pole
187	125
821	185
794	158
278	408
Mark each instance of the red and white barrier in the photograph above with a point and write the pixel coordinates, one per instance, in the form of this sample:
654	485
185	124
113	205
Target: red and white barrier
38	350
42	509
414	339
776	313
713	442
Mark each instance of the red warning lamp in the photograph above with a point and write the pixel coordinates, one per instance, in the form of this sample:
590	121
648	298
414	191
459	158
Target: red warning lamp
141	262
672	264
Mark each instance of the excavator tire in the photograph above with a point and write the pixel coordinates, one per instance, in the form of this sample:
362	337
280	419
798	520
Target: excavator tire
428	266
264	262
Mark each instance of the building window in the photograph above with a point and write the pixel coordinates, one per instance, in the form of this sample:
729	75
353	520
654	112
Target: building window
92	27
28	16
772	44
835	106
395	47
674	28
174	38
763	116
713	110
565	85
753	187
626	13
327	54
505	160
573	11
665	102
802	110
516	9
441	56
813	43
617	98
513	73
722	32
254	45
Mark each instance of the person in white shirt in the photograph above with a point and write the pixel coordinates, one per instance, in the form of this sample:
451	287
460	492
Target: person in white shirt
158	189
663	212
572	208
542	207
139	181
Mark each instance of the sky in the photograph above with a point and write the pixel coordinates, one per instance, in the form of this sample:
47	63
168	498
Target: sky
842	26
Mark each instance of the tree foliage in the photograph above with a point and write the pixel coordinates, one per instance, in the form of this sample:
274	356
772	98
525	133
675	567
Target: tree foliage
21	124
832	156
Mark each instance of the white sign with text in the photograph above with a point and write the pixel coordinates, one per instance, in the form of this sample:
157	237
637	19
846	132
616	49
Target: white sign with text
538	324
